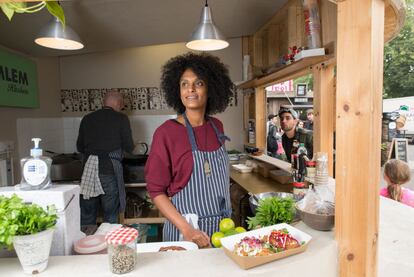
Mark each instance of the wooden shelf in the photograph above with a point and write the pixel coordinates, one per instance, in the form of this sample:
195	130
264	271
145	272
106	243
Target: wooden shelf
136	185
285	166
152	218
286	71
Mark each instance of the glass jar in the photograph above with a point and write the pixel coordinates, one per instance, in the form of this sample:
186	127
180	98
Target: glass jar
122	252
300	189
310	169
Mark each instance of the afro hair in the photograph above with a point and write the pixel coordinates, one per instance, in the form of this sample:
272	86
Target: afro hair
209	69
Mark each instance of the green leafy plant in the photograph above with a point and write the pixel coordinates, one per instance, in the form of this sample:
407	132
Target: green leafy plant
272	211
9	8
18	218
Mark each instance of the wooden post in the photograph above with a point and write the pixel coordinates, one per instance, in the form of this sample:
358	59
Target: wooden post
260	103
358	125
323	103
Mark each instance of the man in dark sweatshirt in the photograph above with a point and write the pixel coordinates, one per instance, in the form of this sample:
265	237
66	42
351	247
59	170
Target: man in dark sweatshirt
103	137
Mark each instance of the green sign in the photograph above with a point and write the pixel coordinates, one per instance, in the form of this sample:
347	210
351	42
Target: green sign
18	81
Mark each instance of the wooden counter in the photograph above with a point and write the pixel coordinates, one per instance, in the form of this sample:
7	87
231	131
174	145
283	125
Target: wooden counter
256	183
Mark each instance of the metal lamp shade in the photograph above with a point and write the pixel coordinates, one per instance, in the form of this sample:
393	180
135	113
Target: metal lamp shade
206	37
55	36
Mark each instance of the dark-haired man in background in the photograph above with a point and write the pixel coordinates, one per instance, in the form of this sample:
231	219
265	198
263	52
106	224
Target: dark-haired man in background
288	122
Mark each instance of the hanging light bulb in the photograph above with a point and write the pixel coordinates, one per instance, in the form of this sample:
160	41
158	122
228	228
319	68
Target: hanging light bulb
206	36
54	35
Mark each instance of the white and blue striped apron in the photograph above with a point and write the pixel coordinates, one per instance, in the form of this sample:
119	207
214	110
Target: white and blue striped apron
208	196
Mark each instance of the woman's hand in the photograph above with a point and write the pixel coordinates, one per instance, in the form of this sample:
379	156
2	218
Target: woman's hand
198	237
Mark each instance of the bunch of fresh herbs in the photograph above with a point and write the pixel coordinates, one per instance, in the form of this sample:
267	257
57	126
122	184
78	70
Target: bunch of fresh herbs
19	218
272	210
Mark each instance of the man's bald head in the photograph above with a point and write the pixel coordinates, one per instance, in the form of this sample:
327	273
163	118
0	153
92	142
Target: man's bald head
114	99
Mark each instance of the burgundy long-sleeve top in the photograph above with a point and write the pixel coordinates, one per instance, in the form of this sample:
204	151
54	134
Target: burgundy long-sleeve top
170	162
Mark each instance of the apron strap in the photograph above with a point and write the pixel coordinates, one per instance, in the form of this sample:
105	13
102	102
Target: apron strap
190	133
220	136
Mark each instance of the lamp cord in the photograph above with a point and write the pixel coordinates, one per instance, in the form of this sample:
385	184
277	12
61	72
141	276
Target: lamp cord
206	5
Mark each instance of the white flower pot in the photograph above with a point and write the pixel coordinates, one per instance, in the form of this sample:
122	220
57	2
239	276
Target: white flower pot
33	250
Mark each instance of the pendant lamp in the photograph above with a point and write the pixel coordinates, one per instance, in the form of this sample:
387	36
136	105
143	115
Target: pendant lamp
206	36
55	36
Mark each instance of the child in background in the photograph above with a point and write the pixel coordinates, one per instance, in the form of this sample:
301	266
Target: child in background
397	173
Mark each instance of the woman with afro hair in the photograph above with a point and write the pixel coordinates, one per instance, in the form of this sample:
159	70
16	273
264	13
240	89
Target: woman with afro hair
187	171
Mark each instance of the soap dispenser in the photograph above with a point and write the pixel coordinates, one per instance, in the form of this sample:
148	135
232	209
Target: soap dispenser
35	169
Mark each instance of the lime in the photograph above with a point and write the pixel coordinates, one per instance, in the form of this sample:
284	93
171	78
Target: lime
240	230
230	233
226	224
215	239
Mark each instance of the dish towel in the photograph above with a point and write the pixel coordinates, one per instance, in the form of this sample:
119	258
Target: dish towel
90	183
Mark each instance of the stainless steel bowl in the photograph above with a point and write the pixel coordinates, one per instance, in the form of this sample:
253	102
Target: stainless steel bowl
253	203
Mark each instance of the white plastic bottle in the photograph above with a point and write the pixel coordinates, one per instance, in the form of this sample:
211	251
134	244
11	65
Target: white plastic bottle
35	169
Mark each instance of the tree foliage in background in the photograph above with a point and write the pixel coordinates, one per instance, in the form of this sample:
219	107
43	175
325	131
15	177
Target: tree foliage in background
399	60
305	79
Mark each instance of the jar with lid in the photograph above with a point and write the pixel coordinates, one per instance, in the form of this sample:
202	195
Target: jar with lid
310	169
122	244
300	189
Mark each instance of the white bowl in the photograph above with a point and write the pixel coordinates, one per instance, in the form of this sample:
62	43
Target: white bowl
155	246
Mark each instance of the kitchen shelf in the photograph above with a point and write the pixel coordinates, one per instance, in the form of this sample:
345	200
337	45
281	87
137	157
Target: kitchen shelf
285	71
152	218
136	185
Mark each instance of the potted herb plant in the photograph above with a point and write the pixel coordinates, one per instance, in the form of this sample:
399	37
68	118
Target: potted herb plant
29	229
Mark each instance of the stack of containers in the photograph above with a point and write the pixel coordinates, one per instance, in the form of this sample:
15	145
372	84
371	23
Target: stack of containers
321	177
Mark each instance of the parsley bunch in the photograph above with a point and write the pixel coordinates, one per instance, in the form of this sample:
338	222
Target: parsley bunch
18	218
272	210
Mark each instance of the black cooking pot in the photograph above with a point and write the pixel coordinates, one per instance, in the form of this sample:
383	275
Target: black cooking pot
66	167
134	165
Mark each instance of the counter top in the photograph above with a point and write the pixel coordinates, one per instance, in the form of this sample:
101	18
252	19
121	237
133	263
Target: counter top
256	183
206	262
395	257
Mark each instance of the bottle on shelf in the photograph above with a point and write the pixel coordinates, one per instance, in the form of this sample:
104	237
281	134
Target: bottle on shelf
252	135
294	153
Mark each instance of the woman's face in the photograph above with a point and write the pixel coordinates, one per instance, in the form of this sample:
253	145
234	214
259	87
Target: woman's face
193	91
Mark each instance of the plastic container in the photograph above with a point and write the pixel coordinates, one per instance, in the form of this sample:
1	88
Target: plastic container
35	169
122	249
89	245
312	23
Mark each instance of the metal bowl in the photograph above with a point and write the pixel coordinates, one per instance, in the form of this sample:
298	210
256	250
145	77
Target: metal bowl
318	222
253	203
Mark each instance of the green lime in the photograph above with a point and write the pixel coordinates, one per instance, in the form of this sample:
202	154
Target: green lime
215	239
226	224
240	230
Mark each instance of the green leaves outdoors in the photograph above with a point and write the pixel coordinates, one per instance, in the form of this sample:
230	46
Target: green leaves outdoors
272	211
19	218
9	8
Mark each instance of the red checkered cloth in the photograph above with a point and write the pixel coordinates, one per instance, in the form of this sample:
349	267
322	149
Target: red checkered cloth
123	235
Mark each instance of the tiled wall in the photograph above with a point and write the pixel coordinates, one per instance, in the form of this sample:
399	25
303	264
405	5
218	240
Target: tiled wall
59	134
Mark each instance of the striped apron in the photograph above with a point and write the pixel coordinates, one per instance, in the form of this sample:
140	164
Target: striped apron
206	196
116	157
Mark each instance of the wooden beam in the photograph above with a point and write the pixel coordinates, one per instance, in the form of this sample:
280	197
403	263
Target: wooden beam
358	134
323	103
260	104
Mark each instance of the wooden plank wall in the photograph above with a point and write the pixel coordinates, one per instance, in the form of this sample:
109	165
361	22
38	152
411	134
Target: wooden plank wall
358	128
324	116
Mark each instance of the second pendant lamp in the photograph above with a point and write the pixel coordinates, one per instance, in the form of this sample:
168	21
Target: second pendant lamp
206	36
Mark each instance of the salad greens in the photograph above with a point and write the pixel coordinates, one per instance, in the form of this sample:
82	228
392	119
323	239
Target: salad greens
19	218
272	210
